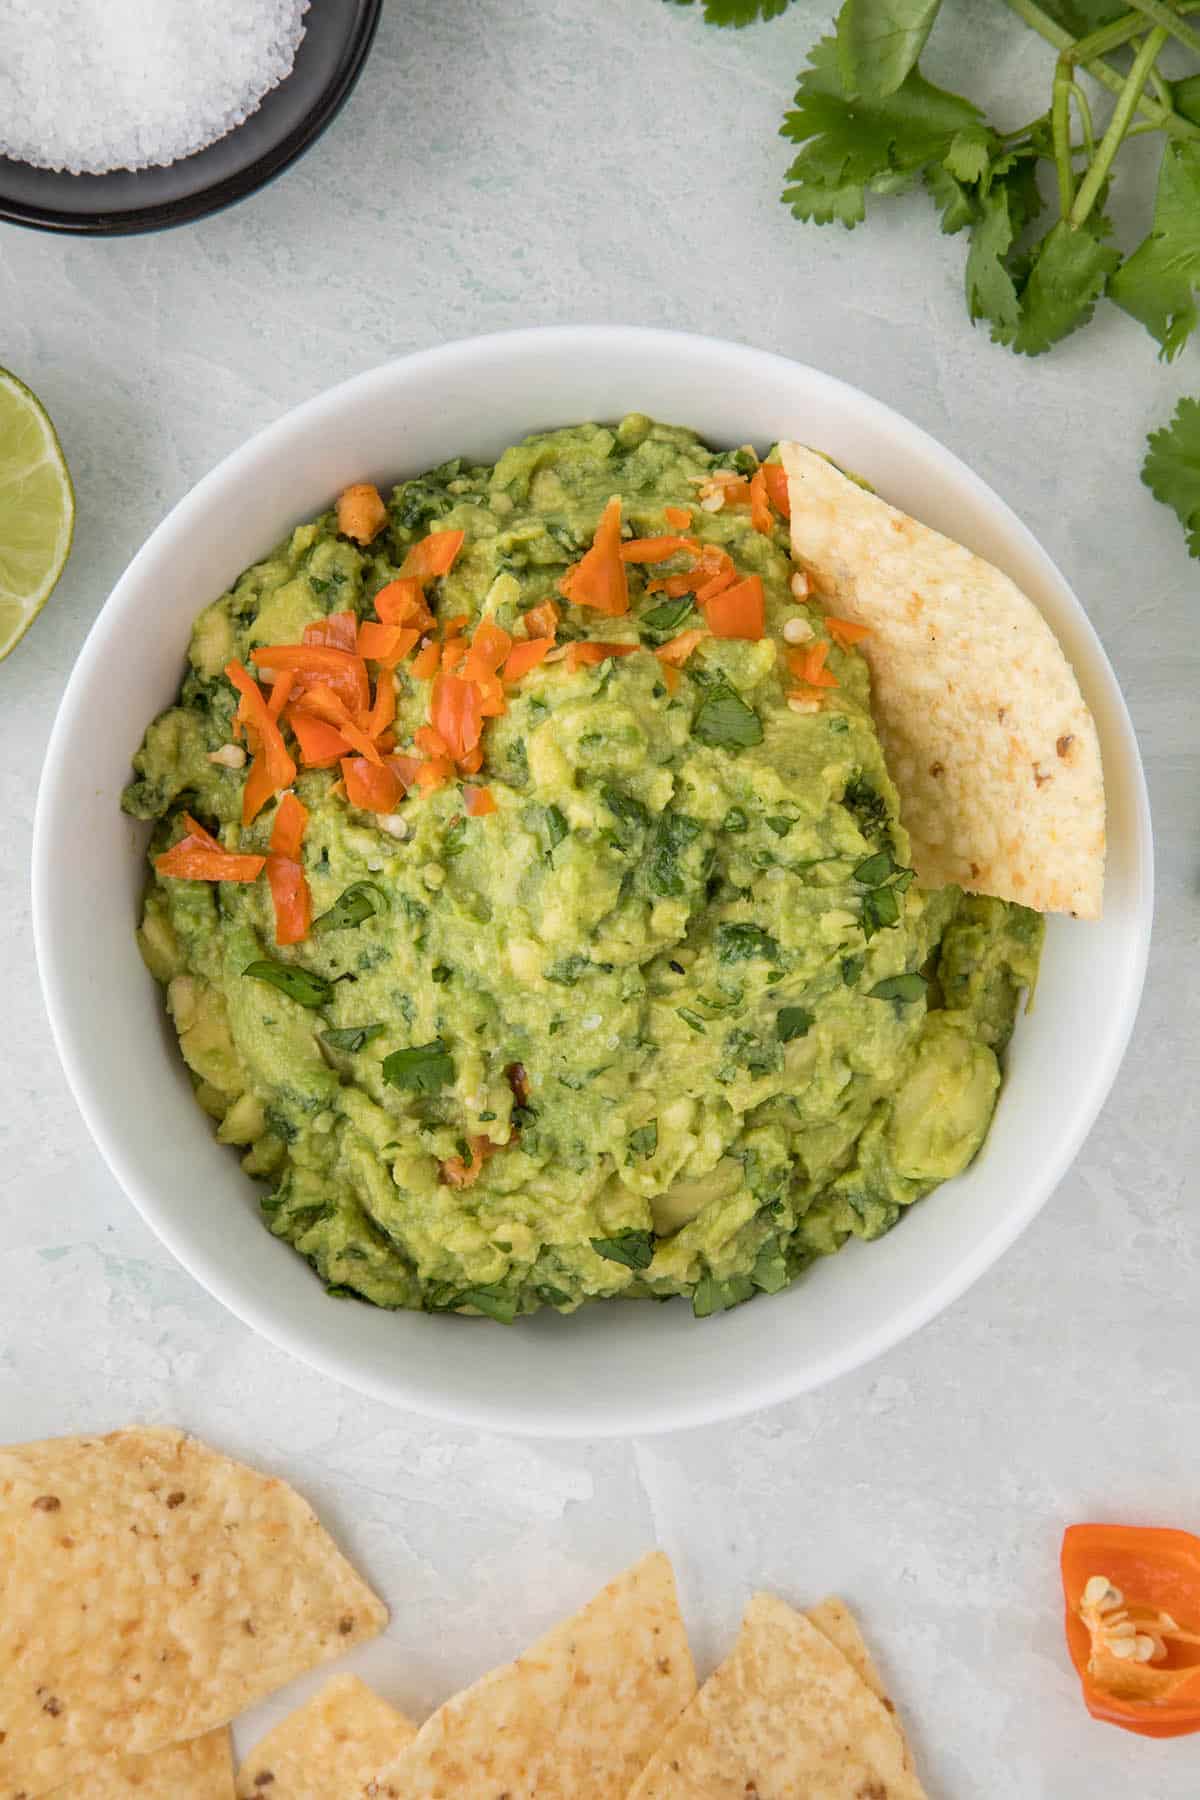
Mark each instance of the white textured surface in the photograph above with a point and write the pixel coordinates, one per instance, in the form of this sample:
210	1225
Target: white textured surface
511	162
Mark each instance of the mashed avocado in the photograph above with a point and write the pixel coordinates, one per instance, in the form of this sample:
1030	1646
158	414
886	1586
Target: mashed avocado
675	1004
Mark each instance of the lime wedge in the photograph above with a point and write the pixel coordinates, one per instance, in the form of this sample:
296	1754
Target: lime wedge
37	510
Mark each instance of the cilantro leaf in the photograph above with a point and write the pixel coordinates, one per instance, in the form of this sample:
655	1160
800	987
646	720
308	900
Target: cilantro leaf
853	146
423	1069
634	1249
1157	283
1172	468
739	12
300	985
1186	95
1071	265
879	41
991	291
725	722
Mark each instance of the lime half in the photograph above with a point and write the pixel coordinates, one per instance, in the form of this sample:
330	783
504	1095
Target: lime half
37	510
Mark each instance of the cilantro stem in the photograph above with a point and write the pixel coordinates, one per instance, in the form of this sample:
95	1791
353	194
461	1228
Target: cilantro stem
1085	119
1118	125
1060	127
1169	20
1084	52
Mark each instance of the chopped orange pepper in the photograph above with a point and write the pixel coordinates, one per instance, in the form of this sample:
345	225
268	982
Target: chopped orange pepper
402	602
845	632
527	655
656	549
760	505
775	476
489	648
454	652
435	773
260	787
478	801
327	705
383	712
321	744
584	653
678	516
428	660
491	694
285	873
454	709
273	768
542	620
735	493
809	666
288	826
678	649
430	741
456	626
471	765
738	611
320	664
714	570
371	788
281	693
405	767
198	856
598	579
386	644
672	678
434	555
337	631
361	514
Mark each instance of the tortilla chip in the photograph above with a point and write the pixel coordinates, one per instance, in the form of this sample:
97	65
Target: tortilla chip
151	1589
986	734
834	1620
201	1770
579	1713
785	1715
335	1744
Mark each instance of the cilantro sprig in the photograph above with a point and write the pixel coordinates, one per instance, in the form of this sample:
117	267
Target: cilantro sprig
867	123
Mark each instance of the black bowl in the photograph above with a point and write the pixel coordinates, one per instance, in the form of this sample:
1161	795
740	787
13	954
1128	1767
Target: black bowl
293	115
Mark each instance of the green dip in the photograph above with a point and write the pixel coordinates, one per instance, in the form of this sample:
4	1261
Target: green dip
745	1036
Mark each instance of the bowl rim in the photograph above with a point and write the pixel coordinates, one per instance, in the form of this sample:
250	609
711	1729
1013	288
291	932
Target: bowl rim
657	1414
226	190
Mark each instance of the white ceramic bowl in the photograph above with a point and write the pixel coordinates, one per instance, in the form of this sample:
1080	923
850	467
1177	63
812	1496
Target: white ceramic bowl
609	1370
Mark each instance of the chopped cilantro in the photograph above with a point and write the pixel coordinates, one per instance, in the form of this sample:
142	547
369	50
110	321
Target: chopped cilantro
351	1038
360	901
422	1069
644	1141
741	943
793	1022
300	985
725	722
906	988
634	1249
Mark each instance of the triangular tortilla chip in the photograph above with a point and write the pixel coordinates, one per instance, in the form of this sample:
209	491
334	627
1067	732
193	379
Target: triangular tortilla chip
150	1590
784	1717
201	1770
834	1620
335	1744
986	734
577	1714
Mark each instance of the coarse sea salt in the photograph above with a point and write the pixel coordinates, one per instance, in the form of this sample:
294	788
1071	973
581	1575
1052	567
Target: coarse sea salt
96	85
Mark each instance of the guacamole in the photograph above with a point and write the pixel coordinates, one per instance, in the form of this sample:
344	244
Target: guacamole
672	1018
